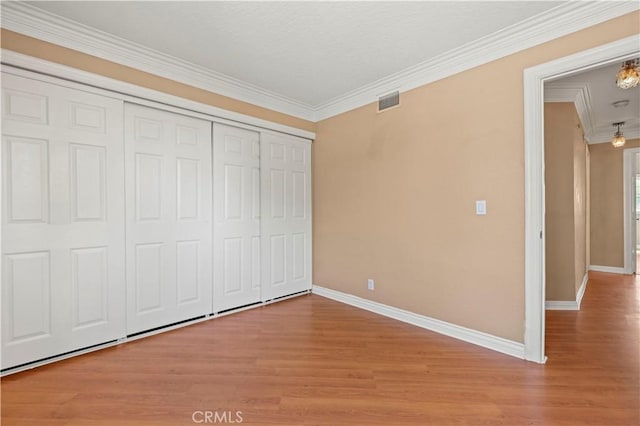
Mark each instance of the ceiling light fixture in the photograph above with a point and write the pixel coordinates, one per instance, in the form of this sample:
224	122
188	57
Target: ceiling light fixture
618	138
629	74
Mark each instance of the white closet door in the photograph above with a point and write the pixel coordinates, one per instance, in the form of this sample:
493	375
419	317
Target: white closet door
285	167
236	249
168	177
63	220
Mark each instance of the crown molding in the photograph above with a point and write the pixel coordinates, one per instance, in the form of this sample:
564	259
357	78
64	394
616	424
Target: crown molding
580	95
43	70
557	22
34	22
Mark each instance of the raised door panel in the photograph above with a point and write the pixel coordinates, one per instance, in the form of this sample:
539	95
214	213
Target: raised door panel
232	269
168	168
26	179
188	189
148	187
27	289
149	275
63	222
236	256
286	217
89	278
25	105
278	264
88	182
188	259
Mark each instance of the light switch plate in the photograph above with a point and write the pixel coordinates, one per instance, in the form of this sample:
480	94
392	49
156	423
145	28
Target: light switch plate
481	207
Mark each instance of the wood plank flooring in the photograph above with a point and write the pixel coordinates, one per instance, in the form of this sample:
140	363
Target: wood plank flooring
313	361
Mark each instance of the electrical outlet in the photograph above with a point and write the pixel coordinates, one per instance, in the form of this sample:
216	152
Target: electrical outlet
370	284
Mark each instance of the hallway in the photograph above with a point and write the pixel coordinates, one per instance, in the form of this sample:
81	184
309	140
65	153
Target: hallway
596	351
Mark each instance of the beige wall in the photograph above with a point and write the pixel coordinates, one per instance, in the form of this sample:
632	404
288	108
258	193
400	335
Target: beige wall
51	52
607	202
394	193
565	201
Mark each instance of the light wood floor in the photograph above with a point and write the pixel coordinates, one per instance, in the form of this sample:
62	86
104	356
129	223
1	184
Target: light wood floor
312	361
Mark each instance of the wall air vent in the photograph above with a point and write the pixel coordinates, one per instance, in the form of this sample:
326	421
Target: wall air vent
389	100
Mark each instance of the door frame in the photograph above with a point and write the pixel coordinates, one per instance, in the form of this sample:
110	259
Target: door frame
534	79
629	179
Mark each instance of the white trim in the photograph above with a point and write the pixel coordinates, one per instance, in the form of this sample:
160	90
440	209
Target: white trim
607	269
557	22
34	22
66	76
580	95
534	79
561	305
629	171
475	337
582	289
51	360
569	305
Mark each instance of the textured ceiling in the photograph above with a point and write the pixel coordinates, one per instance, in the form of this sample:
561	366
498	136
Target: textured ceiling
310	52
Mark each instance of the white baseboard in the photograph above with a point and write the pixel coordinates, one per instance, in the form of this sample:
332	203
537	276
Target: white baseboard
582	289
569	305
609	269
479	338
561	305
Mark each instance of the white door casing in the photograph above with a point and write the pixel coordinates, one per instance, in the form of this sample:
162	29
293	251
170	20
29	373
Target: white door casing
285	167
236	251
168	210
629	164
534	78
63	220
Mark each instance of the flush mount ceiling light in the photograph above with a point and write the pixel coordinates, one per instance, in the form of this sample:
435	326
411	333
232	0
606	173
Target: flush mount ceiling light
618	138
629	74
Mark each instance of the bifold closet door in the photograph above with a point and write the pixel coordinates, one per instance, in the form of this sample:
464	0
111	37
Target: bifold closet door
63	278
285	167
168	193
236	251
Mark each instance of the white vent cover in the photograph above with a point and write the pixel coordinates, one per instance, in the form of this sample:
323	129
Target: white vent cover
389	100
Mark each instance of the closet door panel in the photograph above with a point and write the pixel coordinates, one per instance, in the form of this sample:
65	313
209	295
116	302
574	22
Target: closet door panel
236	258
63	220
286	215
168	174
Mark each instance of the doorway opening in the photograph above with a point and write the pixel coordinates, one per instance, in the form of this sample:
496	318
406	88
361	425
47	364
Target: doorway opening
534	79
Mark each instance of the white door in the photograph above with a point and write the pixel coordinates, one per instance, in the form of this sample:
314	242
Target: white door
168	191
285	167
63	281
236	247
